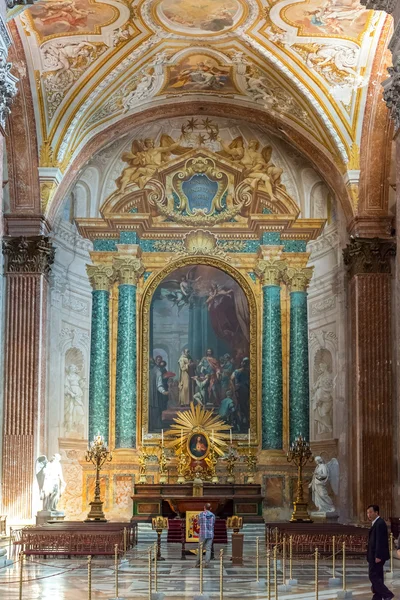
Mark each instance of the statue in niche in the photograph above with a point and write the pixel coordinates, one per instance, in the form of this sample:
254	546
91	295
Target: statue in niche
74	408
51	482
322	392
324	474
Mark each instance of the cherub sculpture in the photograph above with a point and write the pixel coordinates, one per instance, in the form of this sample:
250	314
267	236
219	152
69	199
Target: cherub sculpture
145	158
51	482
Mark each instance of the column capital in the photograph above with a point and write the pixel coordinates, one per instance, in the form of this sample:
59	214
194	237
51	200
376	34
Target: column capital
298	279
28	254
363	256
100	276
270	272
128	270
386	5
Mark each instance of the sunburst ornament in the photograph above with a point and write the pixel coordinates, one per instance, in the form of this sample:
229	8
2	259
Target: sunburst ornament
196	430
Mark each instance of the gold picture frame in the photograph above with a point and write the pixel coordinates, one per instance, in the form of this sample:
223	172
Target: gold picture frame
198	454
192	536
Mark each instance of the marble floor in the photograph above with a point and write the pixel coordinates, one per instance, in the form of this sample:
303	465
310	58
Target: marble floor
65	579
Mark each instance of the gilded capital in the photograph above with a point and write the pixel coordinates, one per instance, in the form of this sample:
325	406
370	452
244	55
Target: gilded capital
128	270
298	279
270	272
363	256
100	276
28	254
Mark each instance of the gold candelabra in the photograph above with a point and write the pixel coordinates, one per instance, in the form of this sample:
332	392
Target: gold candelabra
299	454
251	460
212	463
182	467
162	464
231	459
143	460
97	454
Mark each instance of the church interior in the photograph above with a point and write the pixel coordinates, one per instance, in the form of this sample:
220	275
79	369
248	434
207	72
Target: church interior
199	301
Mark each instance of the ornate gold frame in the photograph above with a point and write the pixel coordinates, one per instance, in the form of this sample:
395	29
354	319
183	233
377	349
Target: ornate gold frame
207	452
144	336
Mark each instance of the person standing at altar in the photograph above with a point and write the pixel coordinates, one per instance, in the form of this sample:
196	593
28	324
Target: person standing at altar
206	535
377	554
186	366
210	366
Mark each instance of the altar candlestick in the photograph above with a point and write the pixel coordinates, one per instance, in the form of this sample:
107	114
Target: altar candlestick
212	436
230	435
249	438
162	437
142	435
181	437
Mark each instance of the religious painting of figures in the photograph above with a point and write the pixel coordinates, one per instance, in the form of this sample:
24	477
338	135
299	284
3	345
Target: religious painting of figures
199	72
51	17
199	349
333	17
206	16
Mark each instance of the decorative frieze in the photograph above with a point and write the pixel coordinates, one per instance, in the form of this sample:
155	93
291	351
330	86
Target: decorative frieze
368	256
28	255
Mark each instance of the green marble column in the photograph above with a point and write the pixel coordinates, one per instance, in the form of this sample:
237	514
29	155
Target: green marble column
299	381
99	381
270	273
128	271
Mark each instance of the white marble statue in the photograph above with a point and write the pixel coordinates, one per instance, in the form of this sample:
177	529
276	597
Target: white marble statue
324	474
322	399
51	482
74	407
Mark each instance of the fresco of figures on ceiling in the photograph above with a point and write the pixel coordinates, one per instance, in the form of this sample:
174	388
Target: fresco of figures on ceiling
60	17
200	72
207	16
199	347
344	18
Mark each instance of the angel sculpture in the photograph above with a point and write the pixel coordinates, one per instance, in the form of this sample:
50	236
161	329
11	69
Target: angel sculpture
324	473
51	482
258	167
180	293
145	158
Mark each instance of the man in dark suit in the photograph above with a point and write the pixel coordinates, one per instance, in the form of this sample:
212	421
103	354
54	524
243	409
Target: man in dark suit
377	554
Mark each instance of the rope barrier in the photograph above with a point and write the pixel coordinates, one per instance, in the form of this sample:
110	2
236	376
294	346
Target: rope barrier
316	573
221	574
150	573
89	567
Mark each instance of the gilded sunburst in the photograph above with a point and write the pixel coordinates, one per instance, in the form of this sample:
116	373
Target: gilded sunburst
197	420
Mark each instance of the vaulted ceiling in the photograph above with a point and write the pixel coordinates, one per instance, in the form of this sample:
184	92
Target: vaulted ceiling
308	64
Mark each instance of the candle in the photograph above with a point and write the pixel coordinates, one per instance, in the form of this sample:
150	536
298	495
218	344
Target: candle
181	437
142	435
249	437
230	435
162	437
212	436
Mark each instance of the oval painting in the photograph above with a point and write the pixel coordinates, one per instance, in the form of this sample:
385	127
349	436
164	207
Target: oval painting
199	18
198	446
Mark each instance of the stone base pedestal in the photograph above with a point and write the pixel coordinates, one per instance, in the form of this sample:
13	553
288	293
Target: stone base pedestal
237	548
329	517
45	516
334	581
344	595
292	582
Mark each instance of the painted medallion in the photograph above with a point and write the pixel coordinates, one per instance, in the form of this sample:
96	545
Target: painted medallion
199	18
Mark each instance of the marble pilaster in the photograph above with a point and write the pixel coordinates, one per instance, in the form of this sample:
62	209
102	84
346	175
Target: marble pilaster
270	273
100	277
371	452
299	381
27	265
128	271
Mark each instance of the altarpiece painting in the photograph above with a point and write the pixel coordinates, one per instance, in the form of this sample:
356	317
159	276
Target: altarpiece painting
199	347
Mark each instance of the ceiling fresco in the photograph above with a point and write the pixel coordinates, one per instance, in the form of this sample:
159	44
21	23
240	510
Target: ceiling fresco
92	63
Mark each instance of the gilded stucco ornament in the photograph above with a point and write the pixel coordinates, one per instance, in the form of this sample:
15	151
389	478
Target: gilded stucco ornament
100	276
128	270
270	272
298	279
200	242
